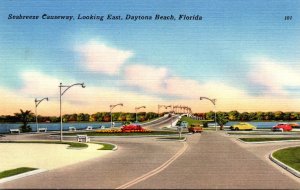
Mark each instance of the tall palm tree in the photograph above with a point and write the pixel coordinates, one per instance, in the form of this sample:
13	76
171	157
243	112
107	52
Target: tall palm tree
25	117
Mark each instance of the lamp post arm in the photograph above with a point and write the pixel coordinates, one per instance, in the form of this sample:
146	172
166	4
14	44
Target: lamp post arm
68	87
37	102
113	106
213	101
136	108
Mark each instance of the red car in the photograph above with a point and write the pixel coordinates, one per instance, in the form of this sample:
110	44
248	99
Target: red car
282	127
131	127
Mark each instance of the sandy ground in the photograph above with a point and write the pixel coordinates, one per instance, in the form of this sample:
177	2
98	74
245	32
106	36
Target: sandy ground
44	156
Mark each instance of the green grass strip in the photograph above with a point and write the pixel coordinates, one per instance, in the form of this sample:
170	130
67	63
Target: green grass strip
8	173
71	144
106	146
268	139
289	156
193	121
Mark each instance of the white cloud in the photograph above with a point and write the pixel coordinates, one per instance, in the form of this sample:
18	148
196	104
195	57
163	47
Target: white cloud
157	80
275	76
149	78
96	98
38	84
99	57
88	100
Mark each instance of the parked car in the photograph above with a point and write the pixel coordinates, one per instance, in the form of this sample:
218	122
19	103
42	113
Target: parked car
242	126
282	127
195	128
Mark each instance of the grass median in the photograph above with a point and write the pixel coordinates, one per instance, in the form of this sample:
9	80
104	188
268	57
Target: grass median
106	146
8	173
260	139
289	156
71	144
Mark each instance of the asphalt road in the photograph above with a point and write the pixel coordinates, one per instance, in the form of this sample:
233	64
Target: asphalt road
159	124
211	161
135	157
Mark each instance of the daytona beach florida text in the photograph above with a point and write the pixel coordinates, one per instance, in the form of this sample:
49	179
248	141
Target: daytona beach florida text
102	18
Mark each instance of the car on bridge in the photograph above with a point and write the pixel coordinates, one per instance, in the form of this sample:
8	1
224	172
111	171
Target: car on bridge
282	127
242	126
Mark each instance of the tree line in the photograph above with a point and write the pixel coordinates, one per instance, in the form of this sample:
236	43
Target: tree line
81	117
144	116
251	116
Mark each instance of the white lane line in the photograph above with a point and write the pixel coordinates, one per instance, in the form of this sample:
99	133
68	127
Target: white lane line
155	171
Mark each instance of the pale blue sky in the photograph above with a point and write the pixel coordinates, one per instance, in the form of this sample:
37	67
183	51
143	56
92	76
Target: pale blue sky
226	46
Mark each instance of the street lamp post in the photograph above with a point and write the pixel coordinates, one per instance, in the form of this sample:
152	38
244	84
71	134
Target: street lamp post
111	108
61	93
213	101
136	108
37	102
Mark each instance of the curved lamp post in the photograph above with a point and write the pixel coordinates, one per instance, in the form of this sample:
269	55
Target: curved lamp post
61	93
111	108
213	101
37	102
136	108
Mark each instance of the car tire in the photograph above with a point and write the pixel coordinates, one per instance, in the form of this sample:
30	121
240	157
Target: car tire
237	129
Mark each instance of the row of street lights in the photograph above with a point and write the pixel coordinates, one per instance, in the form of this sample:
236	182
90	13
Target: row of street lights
121	104
61	93
67	87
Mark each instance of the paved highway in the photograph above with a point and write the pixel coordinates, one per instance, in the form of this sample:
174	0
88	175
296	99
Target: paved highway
214	161
135	157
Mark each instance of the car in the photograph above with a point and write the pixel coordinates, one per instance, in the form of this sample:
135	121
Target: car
242	126
195	128
131	127
282	127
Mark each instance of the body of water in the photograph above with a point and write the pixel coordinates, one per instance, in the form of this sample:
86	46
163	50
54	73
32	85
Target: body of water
5	127
260	125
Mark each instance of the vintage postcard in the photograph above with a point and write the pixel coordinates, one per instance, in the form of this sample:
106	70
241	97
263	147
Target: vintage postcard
167	94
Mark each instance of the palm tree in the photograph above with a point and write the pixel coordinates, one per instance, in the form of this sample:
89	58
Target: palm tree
25	117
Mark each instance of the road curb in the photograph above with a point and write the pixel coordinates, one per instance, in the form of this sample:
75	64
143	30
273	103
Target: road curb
267	142
11	178
284	166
